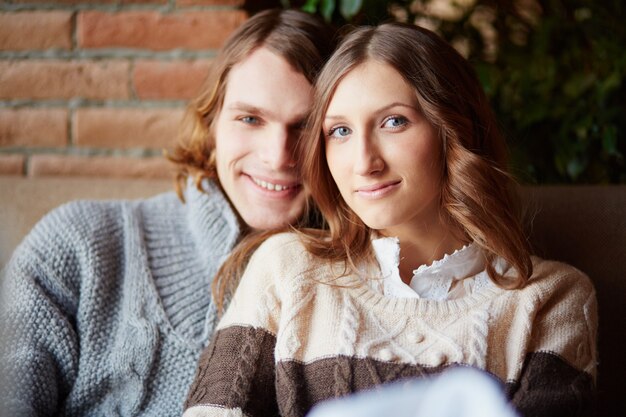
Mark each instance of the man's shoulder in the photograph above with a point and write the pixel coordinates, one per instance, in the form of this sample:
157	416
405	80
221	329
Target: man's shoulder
93	214
83	223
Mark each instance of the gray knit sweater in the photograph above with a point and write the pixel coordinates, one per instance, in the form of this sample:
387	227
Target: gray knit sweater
106	305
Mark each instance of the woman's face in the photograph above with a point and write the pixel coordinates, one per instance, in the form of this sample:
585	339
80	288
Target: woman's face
383	154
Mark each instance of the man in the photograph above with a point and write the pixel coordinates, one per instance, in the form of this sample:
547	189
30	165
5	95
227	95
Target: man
106	305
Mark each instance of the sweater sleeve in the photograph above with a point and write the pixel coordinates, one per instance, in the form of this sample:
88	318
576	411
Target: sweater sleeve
558	375
236	372
39	348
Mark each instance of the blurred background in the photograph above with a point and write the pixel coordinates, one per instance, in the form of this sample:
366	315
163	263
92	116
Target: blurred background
97	88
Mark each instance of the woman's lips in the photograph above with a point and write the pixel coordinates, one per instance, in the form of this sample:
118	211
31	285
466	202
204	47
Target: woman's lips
378	190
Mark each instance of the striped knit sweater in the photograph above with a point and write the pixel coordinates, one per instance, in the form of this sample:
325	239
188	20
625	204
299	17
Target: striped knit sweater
295	335
106	305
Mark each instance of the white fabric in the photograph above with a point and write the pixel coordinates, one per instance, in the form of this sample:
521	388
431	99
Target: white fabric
457	392
452	277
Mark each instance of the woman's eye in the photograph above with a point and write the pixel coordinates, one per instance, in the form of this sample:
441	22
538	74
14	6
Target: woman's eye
395	122
339	132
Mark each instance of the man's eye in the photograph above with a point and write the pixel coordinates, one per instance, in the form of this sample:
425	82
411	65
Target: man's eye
251	120
395	122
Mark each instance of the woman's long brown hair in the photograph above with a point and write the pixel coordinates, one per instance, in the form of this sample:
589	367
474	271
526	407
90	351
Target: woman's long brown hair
478	196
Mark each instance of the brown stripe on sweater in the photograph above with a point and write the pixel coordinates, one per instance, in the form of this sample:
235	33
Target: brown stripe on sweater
550	387
237	371
301	386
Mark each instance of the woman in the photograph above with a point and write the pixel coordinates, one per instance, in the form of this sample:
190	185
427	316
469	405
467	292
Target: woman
424	265
106	305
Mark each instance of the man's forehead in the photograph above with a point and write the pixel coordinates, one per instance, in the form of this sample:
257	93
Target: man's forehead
265	84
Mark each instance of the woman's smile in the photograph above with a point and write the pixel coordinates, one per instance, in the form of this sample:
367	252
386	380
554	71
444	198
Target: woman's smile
378	190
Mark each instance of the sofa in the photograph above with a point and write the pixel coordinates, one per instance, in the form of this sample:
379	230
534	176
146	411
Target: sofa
582	225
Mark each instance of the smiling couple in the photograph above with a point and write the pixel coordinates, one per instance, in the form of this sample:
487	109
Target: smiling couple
418	264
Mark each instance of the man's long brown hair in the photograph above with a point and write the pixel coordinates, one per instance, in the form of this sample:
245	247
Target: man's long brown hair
303	40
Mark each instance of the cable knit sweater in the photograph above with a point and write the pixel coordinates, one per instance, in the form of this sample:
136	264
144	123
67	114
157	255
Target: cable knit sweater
106	305
294	336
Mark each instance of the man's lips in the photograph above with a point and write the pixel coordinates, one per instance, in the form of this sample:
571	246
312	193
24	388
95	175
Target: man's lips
274	185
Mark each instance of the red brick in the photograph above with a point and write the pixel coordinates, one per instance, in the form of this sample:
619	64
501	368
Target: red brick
127	128
100	166
169	80
144	1
184	3
57	2
12	164
35	30
50	79
95	2
33	127
157	31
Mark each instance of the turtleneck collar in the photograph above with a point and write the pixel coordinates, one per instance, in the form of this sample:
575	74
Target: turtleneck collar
210	215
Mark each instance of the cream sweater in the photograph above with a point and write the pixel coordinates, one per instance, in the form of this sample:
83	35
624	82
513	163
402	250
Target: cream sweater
296	335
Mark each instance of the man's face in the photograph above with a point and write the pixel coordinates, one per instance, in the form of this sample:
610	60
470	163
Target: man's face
265	105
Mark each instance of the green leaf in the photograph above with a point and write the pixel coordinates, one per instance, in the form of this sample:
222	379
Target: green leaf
575	167
609	84
310	6
349	8
609	140
327	8
578	84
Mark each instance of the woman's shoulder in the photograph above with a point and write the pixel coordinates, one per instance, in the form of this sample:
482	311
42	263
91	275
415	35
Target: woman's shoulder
565	317
284	245
284	251
558	274
560	285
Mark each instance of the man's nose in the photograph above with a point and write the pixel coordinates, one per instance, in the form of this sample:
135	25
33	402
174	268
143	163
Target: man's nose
277	149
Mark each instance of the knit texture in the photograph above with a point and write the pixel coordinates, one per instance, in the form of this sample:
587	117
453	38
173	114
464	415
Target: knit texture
332	336
106	305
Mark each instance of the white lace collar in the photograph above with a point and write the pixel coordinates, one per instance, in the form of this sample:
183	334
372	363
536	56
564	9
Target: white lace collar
437	281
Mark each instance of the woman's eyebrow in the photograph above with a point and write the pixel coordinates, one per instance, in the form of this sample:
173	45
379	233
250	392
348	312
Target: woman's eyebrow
382	109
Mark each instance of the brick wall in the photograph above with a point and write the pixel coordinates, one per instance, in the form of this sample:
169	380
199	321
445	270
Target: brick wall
97	88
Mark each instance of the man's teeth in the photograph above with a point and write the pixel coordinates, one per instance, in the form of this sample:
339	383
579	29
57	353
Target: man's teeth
270	186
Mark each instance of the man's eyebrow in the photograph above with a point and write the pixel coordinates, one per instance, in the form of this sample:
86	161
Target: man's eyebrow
241	106
247	107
